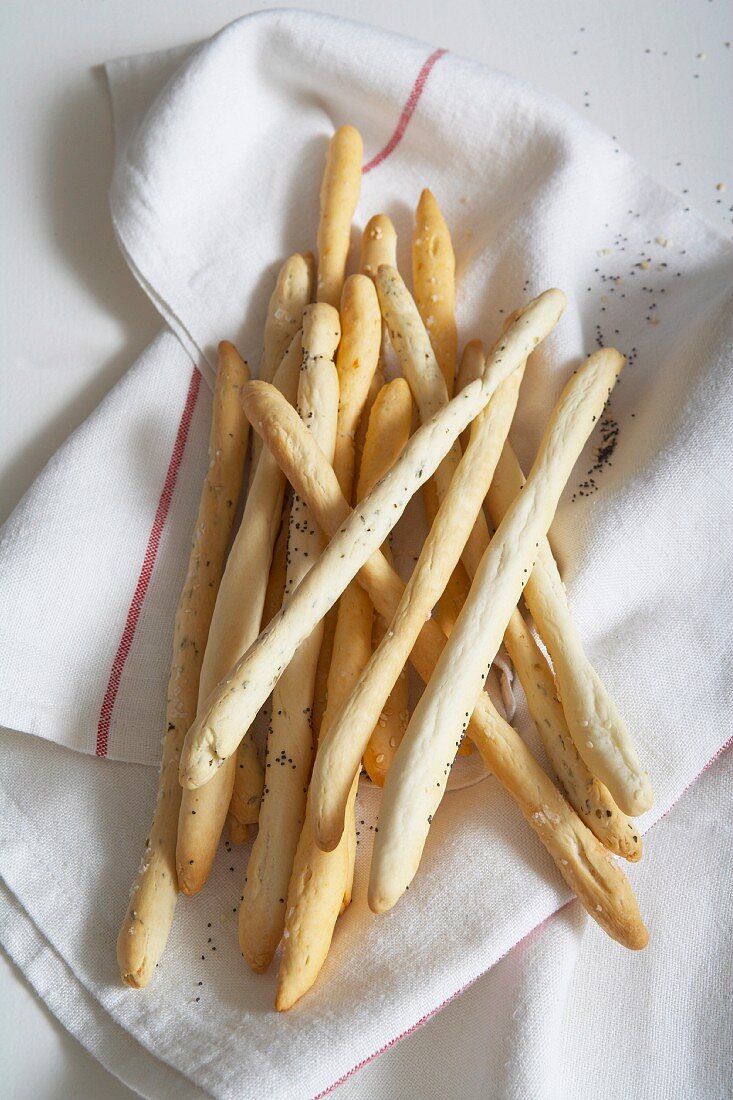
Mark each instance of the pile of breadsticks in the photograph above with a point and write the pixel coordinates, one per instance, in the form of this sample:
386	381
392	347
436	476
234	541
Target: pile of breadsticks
307	608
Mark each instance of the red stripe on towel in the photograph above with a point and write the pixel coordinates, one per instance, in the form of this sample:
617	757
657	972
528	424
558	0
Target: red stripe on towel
407	111
146	570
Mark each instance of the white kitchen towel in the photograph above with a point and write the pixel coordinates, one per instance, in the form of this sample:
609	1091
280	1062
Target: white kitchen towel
216	181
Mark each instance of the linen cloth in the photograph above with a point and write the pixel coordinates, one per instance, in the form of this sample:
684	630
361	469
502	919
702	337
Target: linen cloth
220	151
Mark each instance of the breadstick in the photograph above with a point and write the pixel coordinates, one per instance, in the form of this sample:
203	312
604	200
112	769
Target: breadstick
292	293
339	195
416	783
378	246
249	776
392	420
434	282
357	365
581	860
342	748
420	367
249	779
289	743
356	362
235	624
233	704
589	798
597	729
149	916
320	886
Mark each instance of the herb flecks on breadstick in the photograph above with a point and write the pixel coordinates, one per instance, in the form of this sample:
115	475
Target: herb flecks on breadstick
580	858
233	705
145	929
339	197
434	282
320	886
417	781
596	727
339	754
290	743
235	624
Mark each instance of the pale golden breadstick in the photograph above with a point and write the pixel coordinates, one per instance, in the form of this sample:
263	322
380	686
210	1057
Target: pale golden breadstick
341	749
434	288
391	429
596	727
589	798
249	776
417	781
411	341
290	743
235	623
232	707
293	291
434	282
149	916
320	886
249	779
356	362
378	246
357	359
339	195
580	858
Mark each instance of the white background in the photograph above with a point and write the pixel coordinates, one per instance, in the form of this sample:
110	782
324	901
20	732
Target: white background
658	74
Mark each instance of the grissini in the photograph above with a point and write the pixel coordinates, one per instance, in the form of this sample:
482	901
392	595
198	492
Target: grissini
417	780
320	886
356	362
342	747
448	609
420	367
232	705
144	931
597	729
340	190
249	776
378	246
434	282
580	858
587	795
290	741
292	293
235	624
392	421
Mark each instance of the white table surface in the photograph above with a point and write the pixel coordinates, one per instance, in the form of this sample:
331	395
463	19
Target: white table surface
658	74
